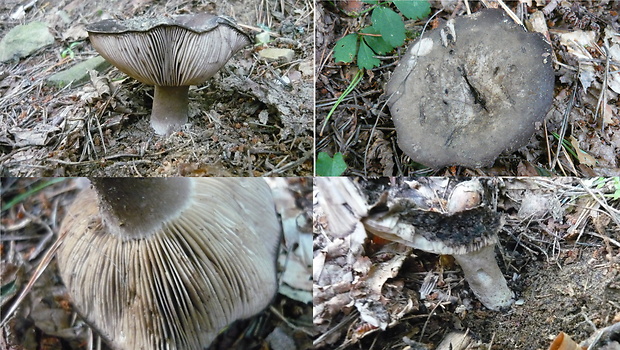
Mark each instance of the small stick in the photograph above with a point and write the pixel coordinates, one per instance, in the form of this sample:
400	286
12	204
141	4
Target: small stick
602	99
257	29
509	12
602	202
569	108
505	8
45	261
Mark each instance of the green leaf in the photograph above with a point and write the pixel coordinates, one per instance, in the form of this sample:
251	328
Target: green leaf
328	166
345	48
414	9
543	172
390	25
366	58
376	43
7	290
372	2
616	184
614	196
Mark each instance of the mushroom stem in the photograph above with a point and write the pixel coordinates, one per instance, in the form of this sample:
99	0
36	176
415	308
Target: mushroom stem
479	266
169	108
156	199
485	278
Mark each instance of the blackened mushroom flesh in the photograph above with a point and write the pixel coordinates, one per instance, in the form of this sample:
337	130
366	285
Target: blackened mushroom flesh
171	53
467	233
471	89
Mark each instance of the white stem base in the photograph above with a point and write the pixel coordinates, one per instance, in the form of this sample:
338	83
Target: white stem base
485	278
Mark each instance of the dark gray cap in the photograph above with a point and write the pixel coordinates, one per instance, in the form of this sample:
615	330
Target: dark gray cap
439	233
470	89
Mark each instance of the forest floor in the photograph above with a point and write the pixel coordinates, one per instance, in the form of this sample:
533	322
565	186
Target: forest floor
253	118
559	251
584	114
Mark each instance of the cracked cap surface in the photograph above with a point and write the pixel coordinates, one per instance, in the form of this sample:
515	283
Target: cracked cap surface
470	89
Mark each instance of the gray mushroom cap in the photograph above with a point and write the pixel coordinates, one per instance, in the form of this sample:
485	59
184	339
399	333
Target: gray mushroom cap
467	91
169	51
166	263
439	233
172	53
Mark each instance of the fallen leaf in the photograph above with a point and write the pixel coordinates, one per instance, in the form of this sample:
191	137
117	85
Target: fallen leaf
584	158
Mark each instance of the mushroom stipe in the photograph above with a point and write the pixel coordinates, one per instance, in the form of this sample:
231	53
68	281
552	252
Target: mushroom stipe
172	53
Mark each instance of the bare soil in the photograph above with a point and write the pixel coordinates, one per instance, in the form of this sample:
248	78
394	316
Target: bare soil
254	118
362	130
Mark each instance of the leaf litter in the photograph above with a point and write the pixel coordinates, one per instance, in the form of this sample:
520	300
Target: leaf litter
86	130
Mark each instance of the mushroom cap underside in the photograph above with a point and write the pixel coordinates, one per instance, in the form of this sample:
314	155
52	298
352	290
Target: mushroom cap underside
169	51
211	265
470	89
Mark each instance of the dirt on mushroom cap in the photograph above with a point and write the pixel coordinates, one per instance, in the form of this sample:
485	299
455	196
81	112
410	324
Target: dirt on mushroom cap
197	23
471	89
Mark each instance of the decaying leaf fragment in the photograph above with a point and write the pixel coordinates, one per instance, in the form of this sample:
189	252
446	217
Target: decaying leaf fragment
564	342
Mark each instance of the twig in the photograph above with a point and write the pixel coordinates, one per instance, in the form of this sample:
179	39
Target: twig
45	261
510	13
427	320
372	132
491	342
602	98
615	218
562	133
467	7
289	323
256	29
41	245
348	319
605	238
300	161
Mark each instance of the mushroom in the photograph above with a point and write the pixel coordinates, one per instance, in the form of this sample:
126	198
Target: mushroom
474	87
172	53
468	232
166	263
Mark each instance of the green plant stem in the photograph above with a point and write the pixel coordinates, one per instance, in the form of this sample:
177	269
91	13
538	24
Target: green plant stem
566	144
31	192
356	79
